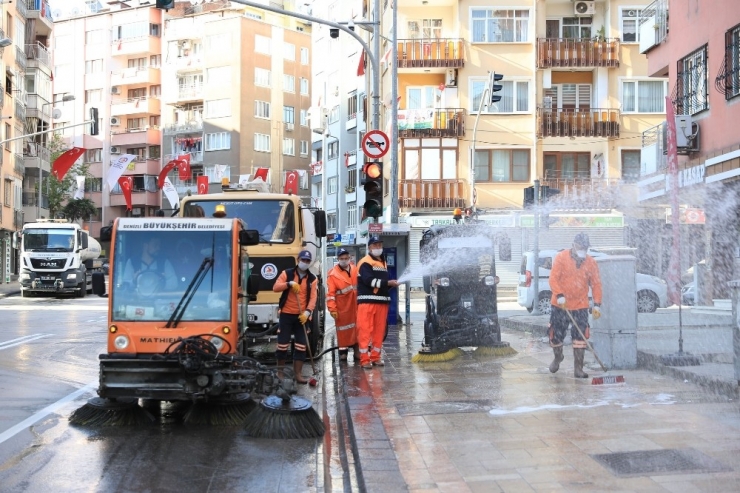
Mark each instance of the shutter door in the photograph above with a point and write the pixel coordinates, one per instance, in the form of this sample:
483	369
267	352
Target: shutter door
508	272
559	238
414	239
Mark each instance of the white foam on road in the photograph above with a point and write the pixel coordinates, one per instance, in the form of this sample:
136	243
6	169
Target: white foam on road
59	308
30	421
21	340
544	407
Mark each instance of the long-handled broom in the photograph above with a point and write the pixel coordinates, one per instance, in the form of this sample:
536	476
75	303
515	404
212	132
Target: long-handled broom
596	380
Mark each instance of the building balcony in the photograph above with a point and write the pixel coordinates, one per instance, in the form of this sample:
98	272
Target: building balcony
39	11
653	25
189	93
38	55
440	122
431	53
194	126
575	53
425	194
36	156
38	107
591	122
19	166
131	137
31	199
20	58
187	63
585	192
136	76
144	167
134	46
138	198
135	106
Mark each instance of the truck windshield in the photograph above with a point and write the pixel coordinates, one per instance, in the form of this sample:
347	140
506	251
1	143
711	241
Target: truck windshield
274	219
152	270
48	240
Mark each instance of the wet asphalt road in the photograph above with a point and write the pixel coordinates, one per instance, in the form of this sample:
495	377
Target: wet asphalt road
48	368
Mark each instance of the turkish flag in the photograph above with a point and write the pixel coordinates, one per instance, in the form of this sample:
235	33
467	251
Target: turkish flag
291	182
261	173
183	167
361	66
202	185
163	174
127	184
63	163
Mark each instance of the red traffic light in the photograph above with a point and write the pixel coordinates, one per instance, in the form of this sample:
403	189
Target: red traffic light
372	170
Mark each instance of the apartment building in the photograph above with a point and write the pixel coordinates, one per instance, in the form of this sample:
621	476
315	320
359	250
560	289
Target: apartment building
695	45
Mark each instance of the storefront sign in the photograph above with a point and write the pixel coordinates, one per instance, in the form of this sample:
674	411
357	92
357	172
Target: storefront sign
687	216
500	221
577	221
688	177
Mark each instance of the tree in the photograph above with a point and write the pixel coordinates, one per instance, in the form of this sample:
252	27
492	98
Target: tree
79	209
61	191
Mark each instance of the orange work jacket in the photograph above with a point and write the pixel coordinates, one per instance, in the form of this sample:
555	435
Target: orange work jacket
566	279
341	297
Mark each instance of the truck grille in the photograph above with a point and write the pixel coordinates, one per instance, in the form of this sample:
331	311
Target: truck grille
48	263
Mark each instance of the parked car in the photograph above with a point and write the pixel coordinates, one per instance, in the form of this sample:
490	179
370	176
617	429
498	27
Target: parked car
688	294
652	292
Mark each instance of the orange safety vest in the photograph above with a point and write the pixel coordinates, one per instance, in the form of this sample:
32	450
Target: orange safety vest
568	280
341	297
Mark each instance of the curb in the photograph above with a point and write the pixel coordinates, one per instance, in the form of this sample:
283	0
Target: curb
10	293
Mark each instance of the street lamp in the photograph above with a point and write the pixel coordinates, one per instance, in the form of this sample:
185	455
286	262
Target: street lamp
66	97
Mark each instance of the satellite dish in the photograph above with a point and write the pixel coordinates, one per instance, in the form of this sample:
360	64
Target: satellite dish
56	113
75	11
56	14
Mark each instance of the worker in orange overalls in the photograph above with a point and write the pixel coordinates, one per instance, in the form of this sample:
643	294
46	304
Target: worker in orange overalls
373	301
573	272
341	300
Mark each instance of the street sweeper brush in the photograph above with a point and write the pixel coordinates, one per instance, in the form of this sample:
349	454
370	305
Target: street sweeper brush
424	356
291	418
499	350
220	413
99	412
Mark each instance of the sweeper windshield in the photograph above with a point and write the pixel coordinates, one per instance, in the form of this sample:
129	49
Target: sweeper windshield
158	273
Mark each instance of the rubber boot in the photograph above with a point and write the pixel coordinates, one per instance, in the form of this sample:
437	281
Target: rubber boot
555	365
356	353
298	370
578	354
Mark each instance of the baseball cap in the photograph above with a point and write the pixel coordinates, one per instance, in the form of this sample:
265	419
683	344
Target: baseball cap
342	251
304	255
582	239
374	239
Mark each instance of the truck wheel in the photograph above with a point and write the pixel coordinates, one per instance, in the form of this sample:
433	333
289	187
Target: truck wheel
82	290
315	337
26	293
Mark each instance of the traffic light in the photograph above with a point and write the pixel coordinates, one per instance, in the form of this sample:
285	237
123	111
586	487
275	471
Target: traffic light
94	130
495	98
547	192
372	183
528	197
334	32
165	4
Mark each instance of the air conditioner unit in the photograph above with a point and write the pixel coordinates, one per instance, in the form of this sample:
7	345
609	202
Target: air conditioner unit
289	127
451	80
115	150
115	90
115	121
687	133
584	8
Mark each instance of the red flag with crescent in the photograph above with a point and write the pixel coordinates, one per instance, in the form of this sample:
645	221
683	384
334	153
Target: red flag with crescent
127	184
183	167
63	163
163	174
361	66
291	182
261	173
202	185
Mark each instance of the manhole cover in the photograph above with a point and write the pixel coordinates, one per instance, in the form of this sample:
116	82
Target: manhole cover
449	407
658	462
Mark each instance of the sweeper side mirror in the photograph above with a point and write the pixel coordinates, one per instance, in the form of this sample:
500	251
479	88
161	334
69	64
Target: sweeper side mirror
248	237
253	283
427	280
98	284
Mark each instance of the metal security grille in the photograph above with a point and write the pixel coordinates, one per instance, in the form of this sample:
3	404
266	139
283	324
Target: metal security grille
652	462
728	79
690	94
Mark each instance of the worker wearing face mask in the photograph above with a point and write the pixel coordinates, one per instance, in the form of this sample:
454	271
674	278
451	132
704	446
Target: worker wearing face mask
373	301
341	300
297	303
573	273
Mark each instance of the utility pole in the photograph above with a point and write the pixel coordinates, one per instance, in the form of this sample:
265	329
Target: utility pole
394	119
536	273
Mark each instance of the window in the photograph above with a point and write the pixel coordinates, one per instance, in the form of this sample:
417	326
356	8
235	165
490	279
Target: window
425	28
352	215
218	108
331	185
93	66
334	114
134	124
289	51
421	97
728	80
93	96
262	109
577	27
261	77
154	121
691	83
219	75
352	105
643	96
134	30
155	152
568	165
331	221
9	193
262	142
94	184
138	93
630	19
304	56
155	91
304	148
500	26
631	165
155	61
352	177
514	96
288	114
569	97
94	155
333	149
94	37
439	158
288	83
502	165
139	152
304	118
218	141
289	147
262	45
137	63
304	86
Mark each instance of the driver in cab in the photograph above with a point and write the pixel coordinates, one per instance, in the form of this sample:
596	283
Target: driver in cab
150	261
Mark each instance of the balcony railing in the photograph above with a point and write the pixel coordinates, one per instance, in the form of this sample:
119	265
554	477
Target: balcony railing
20	58
31	199
591	122
440	52
40	5
653	25
37	51
587	192
439	122
418	194
184	128
564	52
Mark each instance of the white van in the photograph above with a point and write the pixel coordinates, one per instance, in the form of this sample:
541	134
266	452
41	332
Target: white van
652	292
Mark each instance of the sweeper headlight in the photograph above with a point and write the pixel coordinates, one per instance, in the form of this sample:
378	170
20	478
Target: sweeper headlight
217	342
490	280
444	282
121	342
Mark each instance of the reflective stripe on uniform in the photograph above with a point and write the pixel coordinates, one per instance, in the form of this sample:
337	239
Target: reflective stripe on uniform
345	327
330	298
577	344
373	297
283	347
300	347
345	290
376	350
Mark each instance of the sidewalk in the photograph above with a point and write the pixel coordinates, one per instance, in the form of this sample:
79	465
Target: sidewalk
10	289
508	424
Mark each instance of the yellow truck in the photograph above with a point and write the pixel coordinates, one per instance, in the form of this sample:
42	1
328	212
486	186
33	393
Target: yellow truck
285	227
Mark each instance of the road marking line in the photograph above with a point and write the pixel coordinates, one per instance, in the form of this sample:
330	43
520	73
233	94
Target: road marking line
11	432
6	345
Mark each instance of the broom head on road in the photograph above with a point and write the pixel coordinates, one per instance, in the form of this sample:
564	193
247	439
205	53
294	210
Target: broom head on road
291	418
99	412
498	350
221	413
427	356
